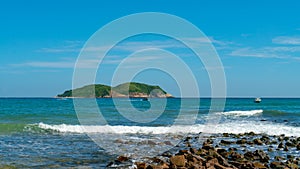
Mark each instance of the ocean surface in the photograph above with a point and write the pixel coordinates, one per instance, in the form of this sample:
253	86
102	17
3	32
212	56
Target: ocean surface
46	132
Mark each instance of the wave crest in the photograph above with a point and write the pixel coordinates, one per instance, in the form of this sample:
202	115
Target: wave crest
230	127
243	113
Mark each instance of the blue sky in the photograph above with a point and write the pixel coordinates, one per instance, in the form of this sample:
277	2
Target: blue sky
257	41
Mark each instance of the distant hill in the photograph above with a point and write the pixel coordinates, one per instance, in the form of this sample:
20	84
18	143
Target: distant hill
131	89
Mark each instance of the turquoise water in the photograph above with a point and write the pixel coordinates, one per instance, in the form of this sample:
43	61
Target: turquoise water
45	132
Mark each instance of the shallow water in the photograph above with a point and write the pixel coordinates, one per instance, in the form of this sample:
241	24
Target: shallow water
45	132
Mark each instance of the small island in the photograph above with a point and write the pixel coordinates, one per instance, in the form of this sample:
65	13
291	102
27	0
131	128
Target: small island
130	89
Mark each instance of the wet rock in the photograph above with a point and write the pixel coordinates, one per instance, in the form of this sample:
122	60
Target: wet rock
235	156
209	141
290	156
211	163
118	141
225	142
182	152
280	138
168	143
280	145
257	142
178	160
157	167
150	142
263	157
273	142
242	141
166	154
293	166
122	158
251	133
207	147
286	148
278	158
290	144
225	135
258	165
286	138
140	165
298	146
277	165
193	150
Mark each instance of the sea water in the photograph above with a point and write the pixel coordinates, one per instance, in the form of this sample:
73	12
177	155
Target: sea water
46	132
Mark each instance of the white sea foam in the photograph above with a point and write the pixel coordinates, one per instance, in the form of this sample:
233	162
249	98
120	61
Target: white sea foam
230	127
243	113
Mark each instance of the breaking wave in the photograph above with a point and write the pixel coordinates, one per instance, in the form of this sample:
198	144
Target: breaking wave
230	127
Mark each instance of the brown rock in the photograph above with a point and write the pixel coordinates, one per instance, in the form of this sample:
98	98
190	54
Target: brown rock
168	143
258	165
178	160
140	165
165	166
155	167
257	141
242	141
122	158
276	164
219	166
293	166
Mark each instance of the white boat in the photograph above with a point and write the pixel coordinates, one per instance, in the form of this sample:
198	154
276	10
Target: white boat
257	100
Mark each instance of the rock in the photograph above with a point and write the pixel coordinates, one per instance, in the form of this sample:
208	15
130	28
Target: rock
178	160
242	141
263	157
258	165
225	135
286	138
183	152
193	150
207	147
276	164
209	141
235	156
298	146
286	148
273	142
140	165
155	167
122	158
278	158
168	143
293	166
165	166
257	142
290	144
225	142
211	163
118	141
166	154
150	142
280	145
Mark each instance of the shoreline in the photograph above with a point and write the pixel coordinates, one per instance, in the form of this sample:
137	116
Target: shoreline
223	151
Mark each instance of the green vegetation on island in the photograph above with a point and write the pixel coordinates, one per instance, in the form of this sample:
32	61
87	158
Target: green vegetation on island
130	89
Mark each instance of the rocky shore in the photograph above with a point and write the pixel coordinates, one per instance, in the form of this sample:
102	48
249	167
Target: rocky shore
224	151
